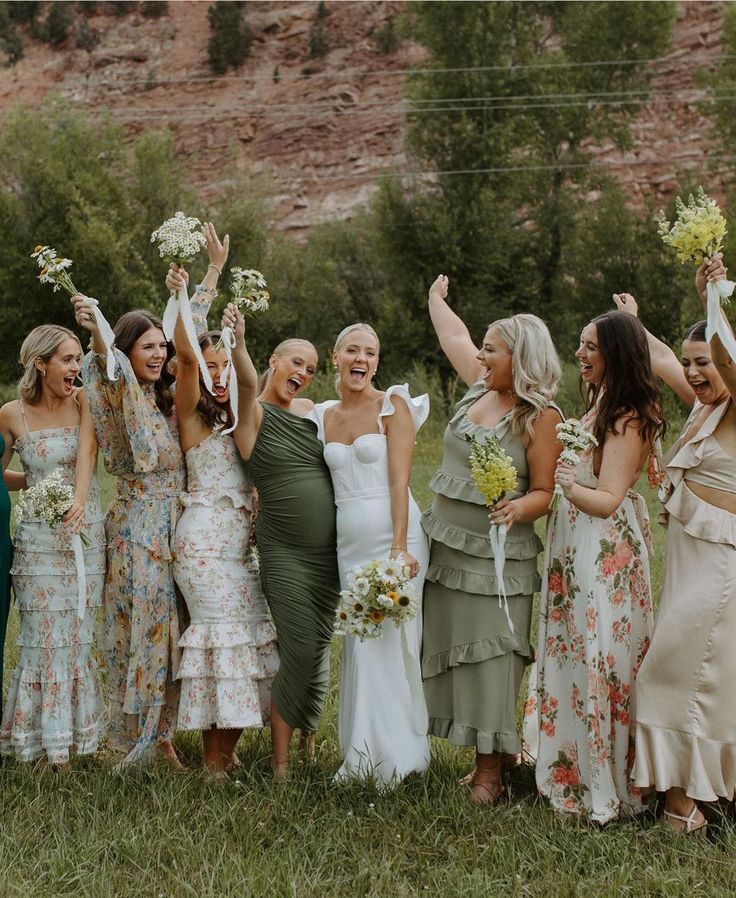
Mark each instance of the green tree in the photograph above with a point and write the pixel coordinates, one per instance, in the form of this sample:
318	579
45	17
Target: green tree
231	37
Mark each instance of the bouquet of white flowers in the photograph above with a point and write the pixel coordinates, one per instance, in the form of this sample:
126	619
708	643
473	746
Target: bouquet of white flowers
179	239
49	500
575	439
53	269
495	475
377	592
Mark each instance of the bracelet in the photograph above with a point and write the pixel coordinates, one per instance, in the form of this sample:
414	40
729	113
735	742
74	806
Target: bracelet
398	548
218	270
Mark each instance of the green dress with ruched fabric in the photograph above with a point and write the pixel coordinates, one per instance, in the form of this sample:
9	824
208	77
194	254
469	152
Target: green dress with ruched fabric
472	663
296	539
6	552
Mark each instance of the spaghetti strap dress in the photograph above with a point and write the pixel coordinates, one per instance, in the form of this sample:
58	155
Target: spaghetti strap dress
54	703
6	554
296	538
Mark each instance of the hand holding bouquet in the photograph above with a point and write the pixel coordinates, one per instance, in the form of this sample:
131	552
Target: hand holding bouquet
248	288
575	440
377	592
494	475
179	239
48	500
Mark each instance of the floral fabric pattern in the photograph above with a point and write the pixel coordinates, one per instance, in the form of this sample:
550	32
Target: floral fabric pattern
229	655
594	630
54	703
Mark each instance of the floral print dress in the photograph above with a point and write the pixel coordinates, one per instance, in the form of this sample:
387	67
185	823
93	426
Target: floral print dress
229	655
54	703
595	625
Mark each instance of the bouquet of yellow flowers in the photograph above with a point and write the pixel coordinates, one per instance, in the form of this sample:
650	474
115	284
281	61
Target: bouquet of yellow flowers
377	592
494	475
698	230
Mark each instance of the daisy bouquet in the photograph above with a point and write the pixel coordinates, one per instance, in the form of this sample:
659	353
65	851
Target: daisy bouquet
494	475
55	271
49	500
696	234
179	240
575	439
248	289
377	592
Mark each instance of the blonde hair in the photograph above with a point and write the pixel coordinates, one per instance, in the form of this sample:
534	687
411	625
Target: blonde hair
534	365
343	335
283	347
42	343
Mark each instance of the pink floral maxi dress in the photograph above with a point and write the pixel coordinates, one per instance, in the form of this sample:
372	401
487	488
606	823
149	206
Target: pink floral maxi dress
595	623
229	655
54	703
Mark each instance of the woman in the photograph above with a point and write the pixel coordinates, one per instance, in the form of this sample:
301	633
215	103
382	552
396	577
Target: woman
11	480
137	432
295	529
595	609
472	661
685	730
54	704
369	442
229	654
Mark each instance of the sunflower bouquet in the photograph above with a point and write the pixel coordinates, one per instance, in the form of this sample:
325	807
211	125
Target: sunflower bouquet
575	439
494	475
377	592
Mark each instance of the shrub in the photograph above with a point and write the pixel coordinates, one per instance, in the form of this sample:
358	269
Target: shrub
318	44
154	9
230	40
55	29
387	38
22	11
121	8
87	38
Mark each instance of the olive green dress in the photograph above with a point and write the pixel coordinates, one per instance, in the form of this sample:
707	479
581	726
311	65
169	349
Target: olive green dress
472	663
295	535
6	551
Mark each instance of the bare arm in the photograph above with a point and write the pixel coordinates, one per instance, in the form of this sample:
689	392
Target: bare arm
713	270
250	413
14	480
665	363
400	440
9	437
85	465
188	391
620	466
453	335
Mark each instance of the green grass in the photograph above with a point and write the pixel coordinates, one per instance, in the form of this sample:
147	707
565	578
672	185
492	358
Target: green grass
158	834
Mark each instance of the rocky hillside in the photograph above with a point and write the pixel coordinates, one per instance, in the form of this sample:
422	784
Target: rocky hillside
321	130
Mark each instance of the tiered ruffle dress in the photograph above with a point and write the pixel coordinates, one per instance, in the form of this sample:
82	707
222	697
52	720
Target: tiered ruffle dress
54	703
471	661
686	701
229	654
6	555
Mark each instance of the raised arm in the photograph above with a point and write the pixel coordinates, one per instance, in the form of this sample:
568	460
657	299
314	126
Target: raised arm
250	413
85	465
665	363
205	292
713	270
453	335
188	391
620	465
400	437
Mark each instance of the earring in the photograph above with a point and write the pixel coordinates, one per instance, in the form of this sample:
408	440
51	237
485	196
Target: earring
43	372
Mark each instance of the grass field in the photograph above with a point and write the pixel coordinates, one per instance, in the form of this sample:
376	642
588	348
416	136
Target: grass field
152	833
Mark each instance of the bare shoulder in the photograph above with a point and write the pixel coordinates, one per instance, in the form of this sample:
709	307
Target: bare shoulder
545	426
301	407
10	412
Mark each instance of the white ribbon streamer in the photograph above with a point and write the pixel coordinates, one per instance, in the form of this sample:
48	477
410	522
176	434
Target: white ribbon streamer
181	306
498	545
228	376
106	335
716	292
78	550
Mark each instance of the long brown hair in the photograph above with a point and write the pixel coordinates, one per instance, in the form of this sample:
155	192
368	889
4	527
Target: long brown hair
212	413
629	386
129	328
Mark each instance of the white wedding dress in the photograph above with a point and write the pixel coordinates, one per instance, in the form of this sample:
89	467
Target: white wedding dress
382	721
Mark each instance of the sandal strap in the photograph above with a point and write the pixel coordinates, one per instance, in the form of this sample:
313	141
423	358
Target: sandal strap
689	821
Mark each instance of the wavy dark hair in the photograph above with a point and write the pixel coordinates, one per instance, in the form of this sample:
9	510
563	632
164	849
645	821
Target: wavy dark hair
129	328
214	414
696	332
629	386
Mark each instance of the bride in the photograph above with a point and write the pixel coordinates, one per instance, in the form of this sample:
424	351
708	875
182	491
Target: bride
368	441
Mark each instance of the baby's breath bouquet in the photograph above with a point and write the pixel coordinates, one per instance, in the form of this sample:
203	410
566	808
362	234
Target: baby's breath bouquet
575	439
698	230
54	270
494	475
696	235
48	500
377	592
179	238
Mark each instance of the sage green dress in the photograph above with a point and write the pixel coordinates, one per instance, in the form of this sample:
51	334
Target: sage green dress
472	663
6	551
296	539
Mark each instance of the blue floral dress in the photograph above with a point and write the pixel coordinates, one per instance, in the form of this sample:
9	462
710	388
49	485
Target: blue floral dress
54	703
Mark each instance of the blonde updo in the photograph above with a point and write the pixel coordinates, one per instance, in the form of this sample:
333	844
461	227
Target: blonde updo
42	343
283	347
343	335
